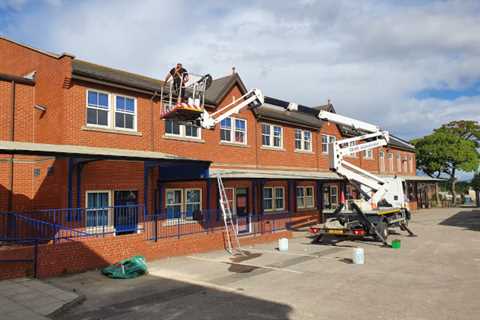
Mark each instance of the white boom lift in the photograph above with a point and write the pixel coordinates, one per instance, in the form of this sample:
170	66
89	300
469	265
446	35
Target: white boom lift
384	203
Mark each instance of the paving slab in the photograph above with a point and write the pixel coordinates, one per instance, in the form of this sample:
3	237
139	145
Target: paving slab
32	299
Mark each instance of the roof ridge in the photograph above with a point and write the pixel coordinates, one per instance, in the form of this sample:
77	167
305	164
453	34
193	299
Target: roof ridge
50	54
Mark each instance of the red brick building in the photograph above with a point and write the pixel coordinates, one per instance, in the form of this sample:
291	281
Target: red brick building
89	142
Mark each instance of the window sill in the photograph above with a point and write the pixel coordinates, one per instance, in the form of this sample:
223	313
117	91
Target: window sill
186	139
271	148
304	151
233	144
108	130
274	212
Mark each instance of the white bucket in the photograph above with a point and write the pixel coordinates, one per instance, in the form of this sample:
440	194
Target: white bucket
283	244
358	256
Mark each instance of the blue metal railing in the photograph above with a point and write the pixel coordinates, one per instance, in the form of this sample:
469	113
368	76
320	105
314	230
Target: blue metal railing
72	223
167	224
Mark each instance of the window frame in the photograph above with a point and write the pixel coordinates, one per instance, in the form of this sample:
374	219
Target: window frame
183	131
381	161
304	197
185	202
135	114
303	140
109	113
271	135
391	167
109	225
368	154
274	199
233	130
399	162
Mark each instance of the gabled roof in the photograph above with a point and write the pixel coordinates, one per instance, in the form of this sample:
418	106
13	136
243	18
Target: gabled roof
220	87
326	107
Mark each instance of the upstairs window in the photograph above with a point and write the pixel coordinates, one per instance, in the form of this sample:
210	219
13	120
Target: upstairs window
233	130
98	108
368	154
326	141
303	140
125	113
390	162
272	136
173	128
381	159
399	163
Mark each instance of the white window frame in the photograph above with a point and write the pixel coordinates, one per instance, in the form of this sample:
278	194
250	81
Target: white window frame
353	144
183	132
390	162
410	164
271	135
368	154
303	140
109	110
399	162
381	161
135	114
274	199
332	203
109	226
233	130
185	203
305	197
330	139
405	164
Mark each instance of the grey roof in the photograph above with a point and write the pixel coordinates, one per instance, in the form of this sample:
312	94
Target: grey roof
273	174
43	149
269	111
88	69
326	107
221	86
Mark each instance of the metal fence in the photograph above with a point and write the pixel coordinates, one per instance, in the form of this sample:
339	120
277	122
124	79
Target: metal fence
72	223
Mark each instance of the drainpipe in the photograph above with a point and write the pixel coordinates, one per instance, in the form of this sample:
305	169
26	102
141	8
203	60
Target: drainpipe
152	125
12	138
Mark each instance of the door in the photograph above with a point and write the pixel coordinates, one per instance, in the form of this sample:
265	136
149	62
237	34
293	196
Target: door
242	212
125	212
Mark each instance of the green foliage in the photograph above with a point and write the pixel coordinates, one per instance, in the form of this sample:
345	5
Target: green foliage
444	152
467	129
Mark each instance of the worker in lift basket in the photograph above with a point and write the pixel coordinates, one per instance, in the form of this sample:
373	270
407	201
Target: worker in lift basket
180	78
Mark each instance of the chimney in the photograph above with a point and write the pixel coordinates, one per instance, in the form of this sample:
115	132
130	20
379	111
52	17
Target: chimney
233	70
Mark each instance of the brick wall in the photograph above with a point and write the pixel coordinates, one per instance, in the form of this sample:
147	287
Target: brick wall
57	259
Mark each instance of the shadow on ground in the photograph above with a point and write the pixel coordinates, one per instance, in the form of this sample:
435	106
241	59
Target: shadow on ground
151	297
464	219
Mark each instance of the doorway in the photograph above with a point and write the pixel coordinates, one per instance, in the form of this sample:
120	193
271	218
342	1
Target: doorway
125	212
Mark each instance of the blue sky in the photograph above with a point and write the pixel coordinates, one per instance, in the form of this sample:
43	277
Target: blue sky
406	65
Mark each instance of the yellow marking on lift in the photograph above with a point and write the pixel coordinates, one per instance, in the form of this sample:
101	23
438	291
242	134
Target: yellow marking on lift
388	212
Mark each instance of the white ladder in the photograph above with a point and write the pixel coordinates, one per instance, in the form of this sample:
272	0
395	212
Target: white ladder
231	229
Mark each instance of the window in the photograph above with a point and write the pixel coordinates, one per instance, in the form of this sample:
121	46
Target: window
98	203
98	108
233	130
303	140
326	141
125	113
305	197
381	160
173	128
183	204
399	163
334	196
272	136
273	199
390	162
410	164
368	154
353	144
405	164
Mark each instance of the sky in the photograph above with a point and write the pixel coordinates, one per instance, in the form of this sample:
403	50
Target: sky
408	66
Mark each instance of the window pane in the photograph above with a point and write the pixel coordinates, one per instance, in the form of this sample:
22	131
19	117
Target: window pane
300	203
193	196
129	121
276	141
300	192
298	144
298	134
279	204
309	202
309	191
172	127
240	125
129	105
120	104
267	204
103	117
265	140
191	131
265	129
226	123
92	98
225	135
103	100
239	136
91	116
119	120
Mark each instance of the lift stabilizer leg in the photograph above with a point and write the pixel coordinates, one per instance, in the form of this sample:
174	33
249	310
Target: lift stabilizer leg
371	225
404	227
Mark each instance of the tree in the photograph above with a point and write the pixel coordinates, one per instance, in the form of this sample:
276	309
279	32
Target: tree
444	152
475	183
467	129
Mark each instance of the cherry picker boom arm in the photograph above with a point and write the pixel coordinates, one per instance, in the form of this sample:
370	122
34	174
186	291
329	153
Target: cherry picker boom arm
252	98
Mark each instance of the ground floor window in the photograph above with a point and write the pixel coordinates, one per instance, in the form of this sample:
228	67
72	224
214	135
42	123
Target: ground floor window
98	203
273	199
305	197
330	196
183	203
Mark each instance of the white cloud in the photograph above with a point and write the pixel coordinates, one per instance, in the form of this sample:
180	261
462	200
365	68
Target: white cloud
369	57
